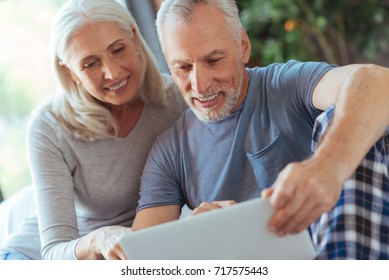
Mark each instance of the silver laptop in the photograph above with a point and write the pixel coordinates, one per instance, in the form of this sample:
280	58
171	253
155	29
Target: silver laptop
237	232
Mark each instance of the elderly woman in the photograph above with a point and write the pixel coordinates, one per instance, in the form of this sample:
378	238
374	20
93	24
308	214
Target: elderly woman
87	145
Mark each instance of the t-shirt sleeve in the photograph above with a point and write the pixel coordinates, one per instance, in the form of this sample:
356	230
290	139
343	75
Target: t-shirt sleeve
298	80
160	181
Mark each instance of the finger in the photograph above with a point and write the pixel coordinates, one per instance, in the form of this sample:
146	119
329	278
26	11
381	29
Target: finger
204	207
119	252
283	216
116	253
313	216
282	193
224	203
299	220
266	193
112	256
314	205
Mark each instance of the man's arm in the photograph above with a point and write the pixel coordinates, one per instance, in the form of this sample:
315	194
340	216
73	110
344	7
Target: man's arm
305	190
156	215
361	95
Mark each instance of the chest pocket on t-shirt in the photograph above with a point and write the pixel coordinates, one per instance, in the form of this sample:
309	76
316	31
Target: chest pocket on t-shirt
269	161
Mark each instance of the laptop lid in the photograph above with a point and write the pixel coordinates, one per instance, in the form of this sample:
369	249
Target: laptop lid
235	232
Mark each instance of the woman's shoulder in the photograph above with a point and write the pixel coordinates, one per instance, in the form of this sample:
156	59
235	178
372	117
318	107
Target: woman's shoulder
43	123
170	86
43	118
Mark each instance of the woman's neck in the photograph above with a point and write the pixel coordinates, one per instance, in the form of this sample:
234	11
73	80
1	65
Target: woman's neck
127	116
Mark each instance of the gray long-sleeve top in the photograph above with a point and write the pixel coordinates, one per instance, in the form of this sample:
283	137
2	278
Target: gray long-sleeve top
81	186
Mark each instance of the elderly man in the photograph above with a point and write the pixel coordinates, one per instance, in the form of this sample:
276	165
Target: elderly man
248	131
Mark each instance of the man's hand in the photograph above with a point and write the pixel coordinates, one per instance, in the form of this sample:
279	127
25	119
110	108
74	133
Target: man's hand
208	206
302	192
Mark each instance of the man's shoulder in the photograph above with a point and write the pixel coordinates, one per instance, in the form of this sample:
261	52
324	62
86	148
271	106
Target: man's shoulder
258	72
289	64
288	71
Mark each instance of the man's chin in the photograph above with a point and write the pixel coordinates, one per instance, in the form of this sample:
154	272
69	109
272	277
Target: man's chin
208	116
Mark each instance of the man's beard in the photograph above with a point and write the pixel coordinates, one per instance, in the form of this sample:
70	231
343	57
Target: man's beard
231	97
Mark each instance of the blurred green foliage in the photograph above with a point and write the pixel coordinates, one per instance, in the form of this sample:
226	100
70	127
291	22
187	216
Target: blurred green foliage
342	31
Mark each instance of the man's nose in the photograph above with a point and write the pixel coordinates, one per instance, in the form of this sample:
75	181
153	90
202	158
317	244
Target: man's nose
200	80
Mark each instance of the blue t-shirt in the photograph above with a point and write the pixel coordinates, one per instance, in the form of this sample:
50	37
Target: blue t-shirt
239	156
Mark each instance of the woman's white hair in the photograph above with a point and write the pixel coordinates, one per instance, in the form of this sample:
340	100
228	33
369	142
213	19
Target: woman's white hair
184	10
81	114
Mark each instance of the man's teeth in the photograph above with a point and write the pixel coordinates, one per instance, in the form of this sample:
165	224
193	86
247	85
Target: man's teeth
119	85
209	98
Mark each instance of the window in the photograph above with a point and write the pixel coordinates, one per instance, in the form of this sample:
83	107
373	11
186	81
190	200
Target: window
144	13
25	79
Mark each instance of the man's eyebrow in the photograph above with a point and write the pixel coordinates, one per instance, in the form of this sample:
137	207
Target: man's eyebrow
183	61
178	61
213	53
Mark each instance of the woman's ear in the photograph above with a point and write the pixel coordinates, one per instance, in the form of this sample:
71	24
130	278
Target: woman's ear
134	33
69	72
135	38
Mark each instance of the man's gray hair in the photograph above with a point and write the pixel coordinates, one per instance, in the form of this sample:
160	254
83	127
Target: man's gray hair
184	10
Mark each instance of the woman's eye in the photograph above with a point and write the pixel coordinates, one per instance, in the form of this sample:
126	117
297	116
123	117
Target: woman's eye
118	50
89	65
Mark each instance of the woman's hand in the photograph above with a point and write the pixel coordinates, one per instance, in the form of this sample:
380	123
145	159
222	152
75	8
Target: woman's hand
102	244
108	239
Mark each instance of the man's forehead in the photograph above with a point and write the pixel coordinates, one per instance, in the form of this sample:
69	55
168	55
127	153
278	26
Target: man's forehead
185	41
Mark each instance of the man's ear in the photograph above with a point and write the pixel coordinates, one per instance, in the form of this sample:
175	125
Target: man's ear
69	72
246	47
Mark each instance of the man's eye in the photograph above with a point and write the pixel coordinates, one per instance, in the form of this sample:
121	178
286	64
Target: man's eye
185	67
213	60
